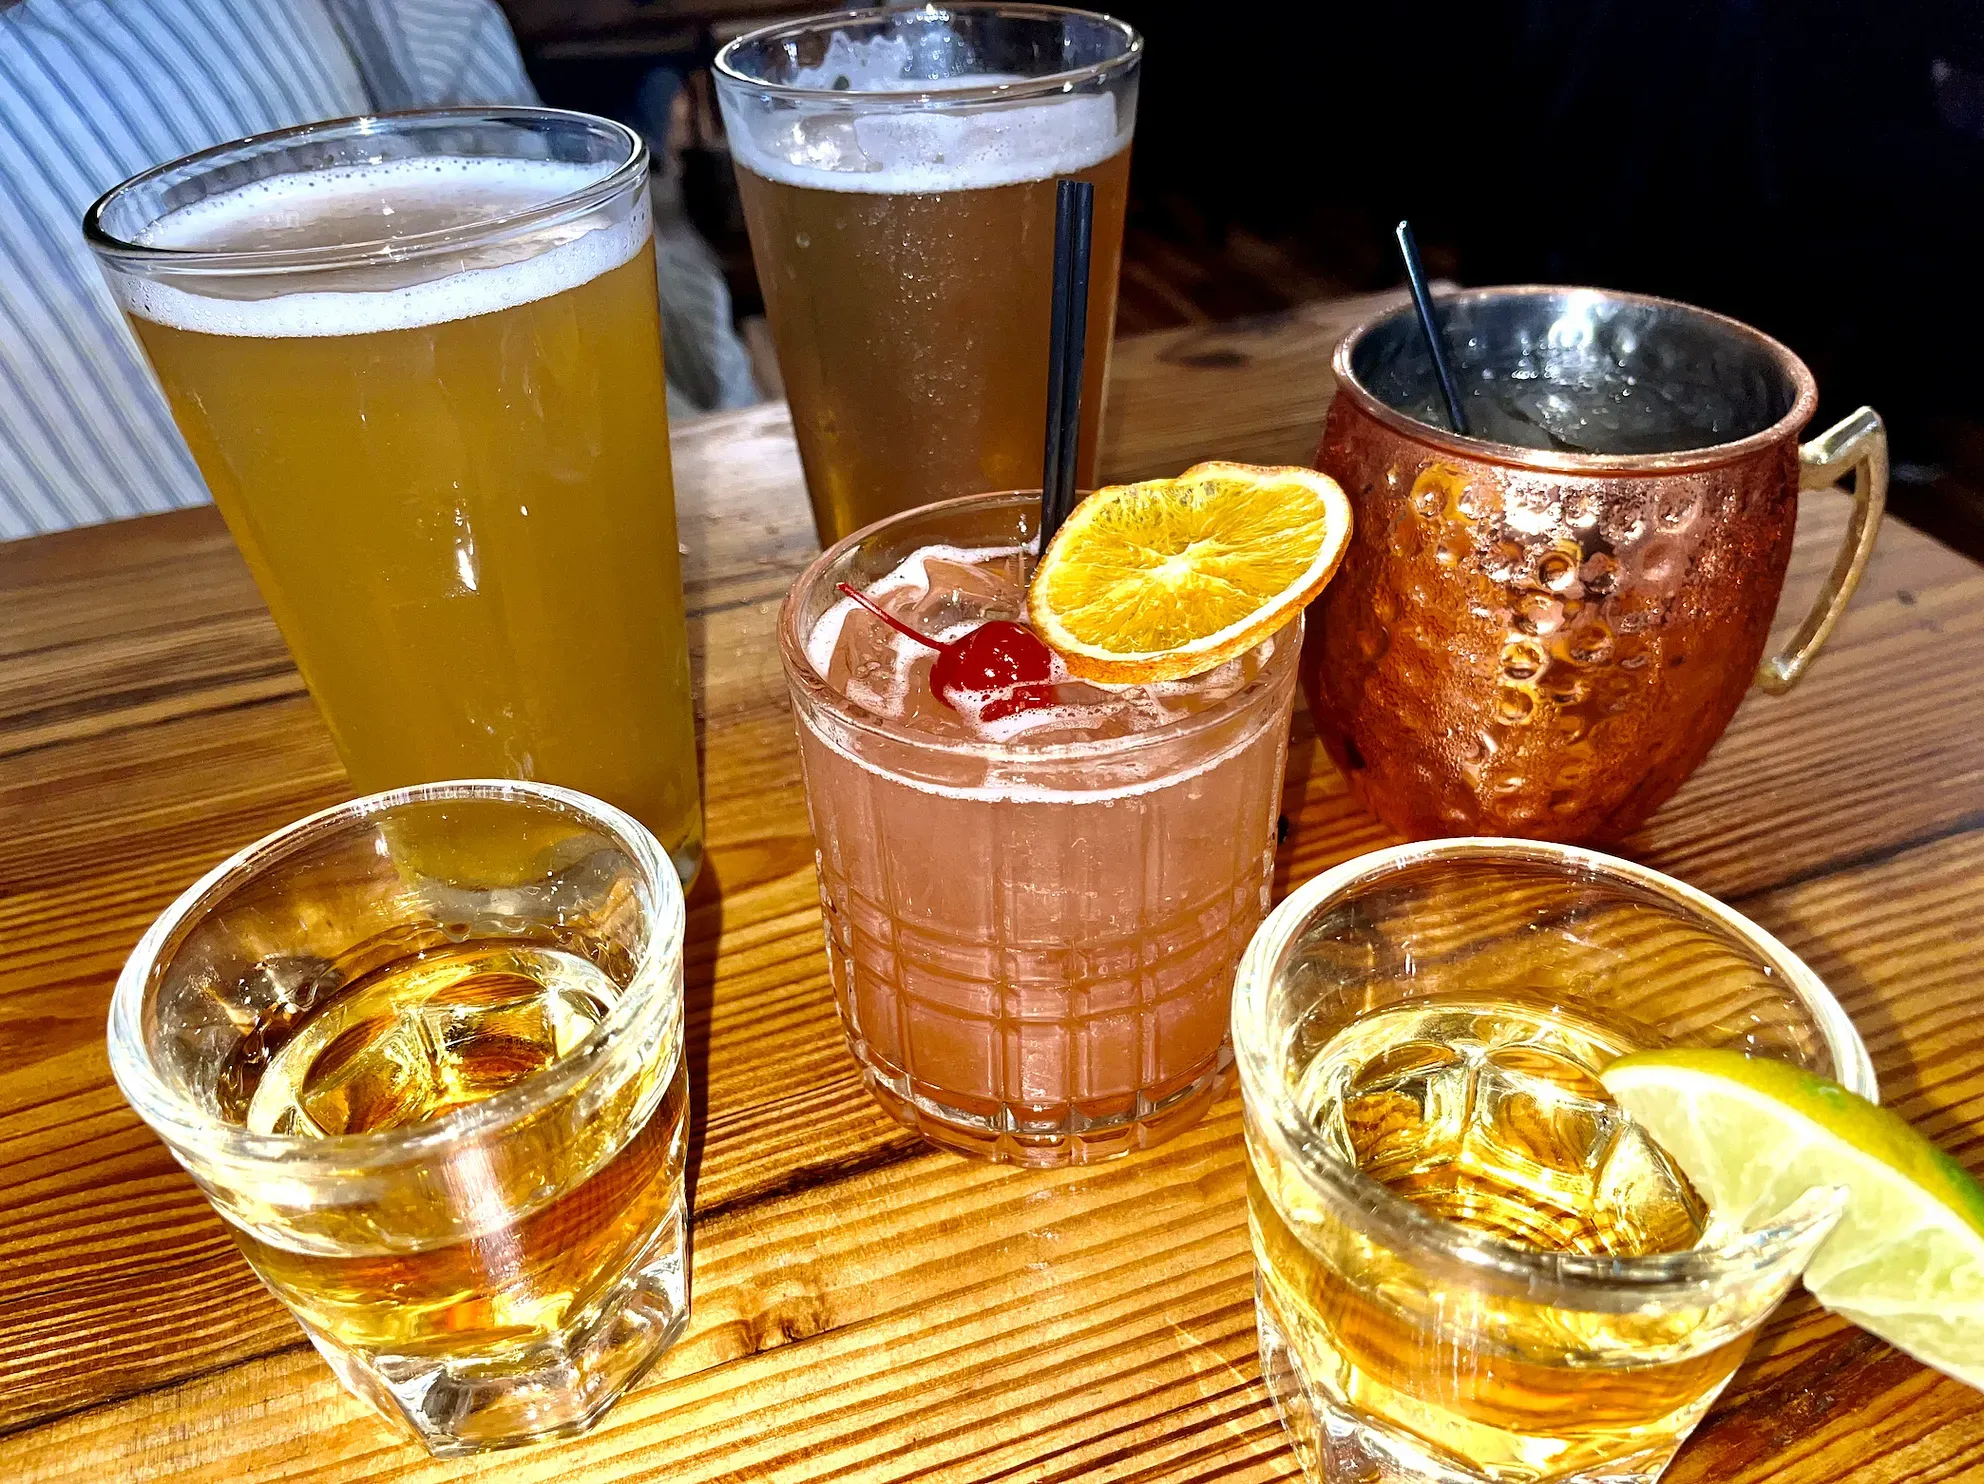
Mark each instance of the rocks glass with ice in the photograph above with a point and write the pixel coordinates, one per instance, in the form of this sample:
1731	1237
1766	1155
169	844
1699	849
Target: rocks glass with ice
423	1052
1472	1266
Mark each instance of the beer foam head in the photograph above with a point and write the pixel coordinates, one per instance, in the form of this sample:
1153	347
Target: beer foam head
365	204
915	150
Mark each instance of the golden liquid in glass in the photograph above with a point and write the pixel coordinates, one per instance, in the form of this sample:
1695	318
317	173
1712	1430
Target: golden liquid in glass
1488	1113
530	1237
465	528
912	334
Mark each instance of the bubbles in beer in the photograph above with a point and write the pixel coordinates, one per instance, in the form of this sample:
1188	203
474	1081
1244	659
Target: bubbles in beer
916	150
367	205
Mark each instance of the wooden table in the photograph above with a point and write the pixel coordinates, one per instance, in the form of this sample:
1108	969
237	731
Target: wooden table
866	1308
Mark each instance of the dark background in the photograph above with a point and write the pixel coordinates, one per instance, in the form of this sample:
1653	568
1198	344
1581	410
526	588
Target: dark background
1815	167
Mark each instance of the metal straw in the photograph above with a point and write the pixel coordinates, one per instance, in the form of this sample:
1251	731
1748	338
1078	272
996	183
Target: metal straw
1422	300
1067	343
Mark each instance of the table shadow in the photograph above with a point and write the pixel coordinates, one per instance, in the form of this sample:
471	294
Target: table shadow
699	957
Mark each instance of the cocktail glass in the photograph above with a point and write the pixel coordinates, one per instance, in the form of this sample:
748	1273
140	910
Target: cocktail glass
1032	946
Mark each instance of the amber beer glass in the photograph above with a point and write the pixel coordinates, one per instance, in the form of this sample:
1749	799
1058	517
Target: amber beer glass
898	172
418	360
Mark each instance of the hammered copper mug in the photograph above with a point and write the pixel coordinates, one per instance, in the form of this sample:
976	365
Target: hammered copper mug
1546	641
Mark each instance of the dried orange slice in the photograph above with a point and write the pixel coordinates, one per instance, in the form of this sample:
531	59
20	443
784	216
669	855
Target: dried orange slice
1170	577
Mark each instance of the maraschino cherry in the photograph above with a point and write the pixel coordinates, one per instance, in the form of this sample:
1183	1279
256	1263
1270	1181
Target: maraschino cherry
1001	660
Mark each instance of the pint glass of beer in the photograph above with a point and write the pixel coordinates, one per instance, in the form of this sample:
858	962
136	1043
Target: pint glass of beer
418	359
898	171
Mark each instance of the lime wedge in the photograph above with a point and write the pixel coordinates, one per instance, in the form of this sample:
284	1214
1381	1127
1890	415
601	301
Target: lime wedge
1906	1261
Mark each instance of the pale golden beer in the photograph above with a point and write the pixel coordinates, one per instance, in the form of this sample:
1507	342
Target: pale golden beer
903	227
449	473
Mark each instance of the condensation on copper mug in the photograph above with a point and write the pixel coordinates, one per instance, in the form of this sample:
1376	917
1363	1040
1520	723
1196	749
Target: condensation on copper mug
1541	642
1528	638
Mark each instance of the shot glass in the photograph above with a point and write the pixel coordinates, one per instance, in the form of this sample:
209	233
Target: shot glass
1469	1265
423	1052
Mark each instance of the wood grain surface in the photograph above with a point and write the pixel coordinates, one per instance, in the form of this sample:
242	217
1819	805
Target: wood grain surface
865	1308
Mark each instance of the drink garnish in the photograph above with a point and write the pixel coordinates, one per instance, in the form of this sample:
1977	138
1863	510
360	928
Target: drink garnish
1905	1262
1170	578
1000	661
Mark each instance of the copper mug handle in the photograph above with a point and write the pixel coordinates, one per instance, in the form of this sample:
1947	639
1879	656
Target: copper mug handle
1857	443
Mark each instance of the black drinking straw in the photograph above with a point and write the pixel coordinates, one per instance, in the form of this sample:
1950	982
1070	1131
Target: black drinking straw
1422	300
1067	340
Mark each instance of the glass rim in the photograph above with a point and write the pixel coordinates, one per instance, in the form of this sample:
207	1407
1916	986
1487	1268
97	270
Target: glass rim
804	680
728	72
411	247
1412	1230
183	1123
1804	402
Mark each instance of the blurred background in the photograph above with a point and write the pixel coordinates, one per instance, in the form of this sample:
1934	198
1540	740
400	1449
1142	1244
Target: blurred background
1815	167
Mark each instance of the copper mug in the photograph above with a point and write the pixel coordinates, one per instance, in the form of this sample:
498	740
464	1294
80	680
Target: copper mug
1546	641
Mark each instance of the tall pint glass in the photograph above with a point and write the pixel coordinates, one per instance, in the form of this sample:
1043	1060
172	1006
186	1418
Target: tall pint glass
418	359
898	171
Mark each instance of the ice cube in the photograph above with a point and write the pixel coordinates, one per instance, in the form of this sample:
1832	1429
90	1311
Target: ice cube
379	1073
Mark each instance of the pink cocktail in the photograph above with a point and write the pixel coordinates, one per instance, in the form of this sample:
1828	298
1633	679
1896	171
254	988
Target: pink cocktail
1035	897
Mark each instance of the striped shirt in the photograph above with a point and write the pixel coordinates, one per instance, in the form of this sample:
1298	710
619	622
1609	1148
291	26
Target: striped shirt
95	91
